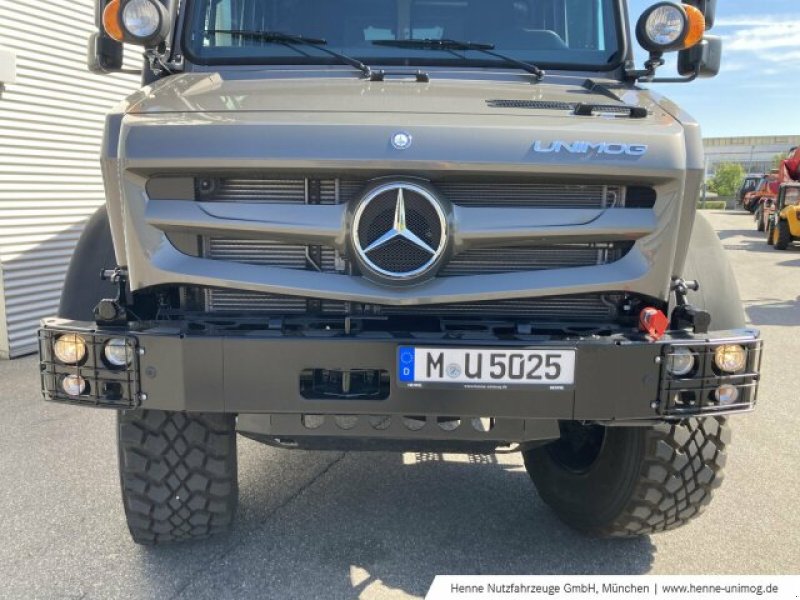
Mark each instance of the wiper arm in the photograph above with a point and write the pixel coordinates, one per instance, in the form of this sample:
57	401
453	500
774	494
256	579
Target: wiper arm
455	45
288	39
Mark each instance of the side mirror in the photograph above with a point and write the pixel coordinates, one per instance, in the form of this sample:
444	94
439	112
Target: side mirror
104	54
707	7
702	60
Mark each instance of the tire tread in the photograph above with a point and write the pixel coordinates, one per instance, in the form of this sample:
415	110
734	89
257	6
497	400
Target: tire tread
178	474
784	236
683	463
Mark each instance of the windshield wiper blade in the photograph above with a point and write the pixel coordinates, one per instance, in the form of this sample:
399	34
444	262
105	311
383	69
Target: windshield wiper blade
289	39
455	45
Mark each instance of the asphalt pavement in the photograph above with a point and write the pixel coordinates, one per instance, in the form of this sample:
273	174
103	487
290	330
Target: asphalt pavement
347	525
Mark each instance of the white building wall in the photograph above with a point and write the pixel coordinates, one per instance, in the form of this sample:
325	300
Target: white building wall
51	123
755	154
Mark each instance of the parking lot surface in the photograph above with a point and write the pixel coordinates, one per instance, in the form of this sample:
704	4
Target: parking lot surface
347	525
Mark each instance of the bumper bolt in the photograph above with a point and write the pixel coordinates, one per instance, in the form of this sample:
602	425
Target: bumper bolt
140	351
143	397
658	360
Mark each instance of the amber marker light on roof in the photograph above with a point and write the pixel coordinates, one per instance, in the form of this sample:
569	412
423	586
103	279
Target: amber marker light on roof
696	26
111	21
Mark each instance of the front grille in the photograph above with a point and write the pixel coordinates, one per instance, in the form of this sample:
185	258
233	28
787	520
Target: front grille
472	192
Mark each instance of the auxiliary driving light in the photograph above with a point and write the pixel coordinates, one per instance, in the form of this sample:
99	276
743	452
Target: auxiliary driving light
730	358
141	18
118	352
73	385
70	348
681	361
668	26
726	394
142	22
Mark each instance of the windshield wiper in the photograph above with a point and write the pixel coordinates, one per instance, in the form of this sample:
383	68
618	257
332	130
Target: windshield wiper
446	45
288	39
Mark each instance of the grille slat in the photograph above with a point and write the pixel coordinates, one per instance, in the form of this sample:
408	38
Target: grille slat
464	193
579	308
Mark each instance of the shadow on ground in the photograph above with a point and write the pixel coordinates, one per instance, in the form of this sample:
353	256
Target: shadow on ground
782	313
387	523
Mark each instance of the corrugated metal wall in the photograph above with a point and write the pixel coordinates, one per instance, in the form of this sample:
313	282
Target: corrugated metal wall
50	132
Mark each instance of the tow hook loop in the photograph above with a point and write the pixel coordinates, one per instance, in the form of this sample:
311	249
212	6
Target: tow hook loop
653	322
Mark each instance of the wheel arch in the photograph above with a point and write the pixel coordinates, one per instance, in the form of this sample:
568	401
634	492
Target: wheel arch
708	263
83	288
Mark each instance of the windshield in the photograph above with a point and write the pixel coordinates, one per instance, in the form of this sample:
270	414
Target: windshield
549	33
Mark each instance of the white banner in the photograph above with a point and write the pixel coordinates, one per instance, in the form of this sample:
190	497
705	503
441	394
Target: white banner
581	587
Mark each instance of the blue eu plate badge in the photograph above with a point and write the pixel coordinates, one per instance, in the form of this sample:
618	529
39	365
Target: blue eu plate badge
406	364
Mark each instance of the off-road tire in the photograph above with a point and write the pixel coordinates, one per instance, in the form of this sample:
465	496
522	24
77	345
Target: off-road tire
783	237
178	474
760	220
771	233
644	479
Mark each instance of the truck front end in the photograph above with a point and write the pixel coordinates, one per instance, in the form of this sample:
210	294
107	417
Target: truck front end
336	226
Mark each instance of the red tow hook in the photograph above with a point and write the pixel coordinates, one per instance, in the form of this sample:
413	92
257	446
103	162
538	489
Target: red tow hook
653	322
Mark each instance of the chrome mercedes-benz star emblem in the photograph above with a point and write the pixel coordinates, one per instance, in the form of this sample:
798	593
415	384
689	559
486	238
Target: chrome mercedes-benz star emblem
402	140
399	231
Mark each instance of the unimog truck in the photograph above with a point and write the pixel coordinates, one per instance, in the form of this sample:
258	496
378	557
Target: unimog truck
439	225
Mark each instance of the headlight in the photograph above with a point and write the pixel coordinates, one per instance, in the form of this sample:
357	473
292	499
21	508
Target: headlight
667	26
70	348
726	394
730	358
143	22
73	385
680	361
118	352
141	18
664	26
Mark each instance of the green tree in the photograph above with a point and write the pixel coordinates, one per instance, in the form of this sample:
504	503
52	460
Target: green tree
727	179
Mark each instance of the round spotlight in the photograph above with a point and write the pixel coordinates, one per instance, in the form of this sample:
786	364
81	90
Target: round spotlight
726	394
73	385
70	348
730	358
668	26
680	361
141	18
118	352
145	22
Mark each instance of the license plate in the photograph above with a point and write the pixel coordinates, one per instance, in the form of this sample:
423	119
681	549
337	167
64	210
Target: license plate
485	368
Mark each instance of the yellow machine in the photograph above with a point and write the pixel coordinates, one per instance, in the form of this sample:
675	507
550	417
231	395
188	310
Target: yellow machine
784	227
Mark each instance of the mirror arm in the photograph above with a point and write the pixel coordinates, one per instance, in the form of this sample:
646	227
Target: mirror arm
687	79
647	74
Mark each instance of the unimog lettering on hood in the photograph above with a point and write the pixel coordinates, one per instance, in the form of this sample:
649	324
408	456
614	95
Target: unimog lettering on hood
590	148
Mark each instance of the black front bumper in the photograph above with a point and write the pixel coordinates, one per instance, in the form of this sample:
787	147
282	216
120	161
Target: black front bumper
617	378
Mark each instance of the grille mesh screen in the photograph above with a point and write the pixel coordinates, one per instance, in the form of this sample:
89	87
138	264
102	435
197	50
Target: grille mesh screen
465	193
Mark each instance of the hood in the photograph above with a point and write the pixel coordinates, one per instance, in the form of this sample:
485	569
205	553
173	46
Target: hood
249	92
249	120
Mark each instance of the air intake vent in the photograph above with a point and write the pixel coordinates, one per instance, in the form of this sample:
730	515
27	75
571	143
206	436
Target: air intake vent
479	192
577	108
